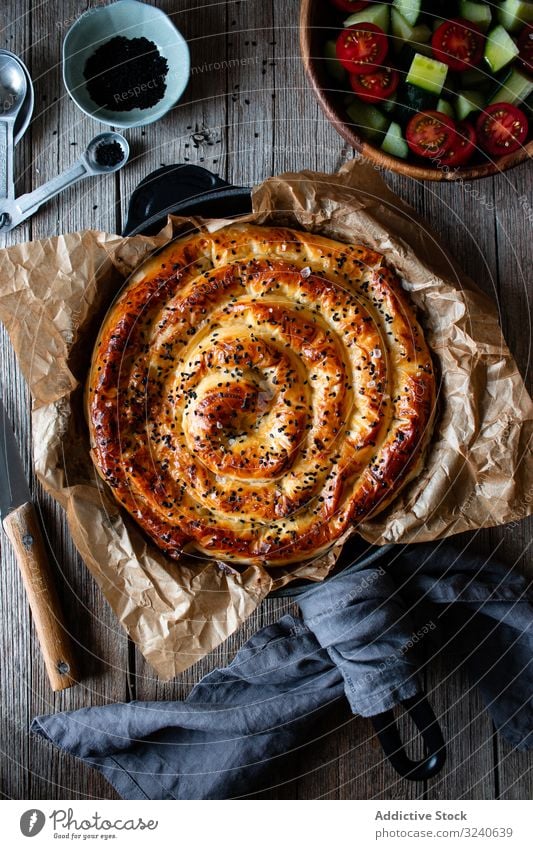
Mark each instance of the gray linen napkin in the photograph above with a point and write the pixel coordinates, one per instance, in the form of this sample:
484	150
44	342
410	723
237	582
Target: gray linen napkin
358	637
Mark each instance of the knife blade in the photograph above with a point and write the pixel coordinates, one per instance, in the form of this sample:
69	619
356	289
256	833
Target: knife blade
14	489
21	524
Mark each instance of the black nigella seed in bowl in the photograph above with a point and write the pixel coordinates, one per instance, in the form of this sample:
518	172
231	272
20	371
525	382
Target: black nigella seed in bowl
109	153
125	74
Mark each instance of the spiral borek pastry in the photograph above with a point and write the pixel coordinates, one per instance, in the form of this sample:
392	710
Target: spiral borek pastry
256	392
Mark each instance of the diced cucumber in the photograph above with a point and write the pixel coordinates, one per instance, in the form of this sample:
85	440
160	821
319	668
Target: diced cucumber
514	14
394	142
401	29
333	66
446	107
467	102
426	73
474	78
412	99
418	42
410	9
500	49
377	13
404	33
417	99
478	13
389	104
514	89
370	120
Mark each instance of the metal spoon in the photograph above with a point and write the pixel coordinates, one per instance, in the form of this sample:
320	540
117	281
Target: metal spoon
23	119
14	212
13	87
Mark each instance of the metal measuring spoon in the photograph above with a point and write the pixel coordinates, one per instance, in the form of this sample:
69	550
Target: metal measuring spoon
90	164
13	87
22	121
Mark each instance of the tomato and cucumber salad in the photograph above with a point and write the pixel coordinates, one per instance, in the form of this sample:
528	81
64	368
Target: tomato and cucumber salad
442	83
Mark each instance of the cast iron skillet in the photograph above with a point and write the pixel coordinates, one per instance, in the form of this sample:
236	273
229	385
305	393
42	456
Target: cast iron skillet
192	190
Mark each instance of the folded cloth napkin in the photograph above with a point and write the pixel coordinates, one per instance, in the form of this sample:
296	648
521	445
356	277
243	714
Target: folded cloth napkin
358	638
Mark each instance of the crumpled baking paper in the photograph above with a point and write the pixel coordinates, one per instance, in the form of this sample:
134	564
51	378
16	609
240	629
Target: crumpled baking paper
478	473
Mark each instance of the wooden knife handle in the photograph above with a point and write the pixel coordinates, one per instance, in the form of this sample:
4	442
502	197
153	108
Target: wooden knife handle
22	528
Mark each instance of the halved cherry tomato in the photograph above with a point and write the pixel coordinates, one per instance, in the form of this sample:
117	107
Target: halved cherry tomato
376	85
462	147
350	5
458	43
430	133
501	128
362	48
525	45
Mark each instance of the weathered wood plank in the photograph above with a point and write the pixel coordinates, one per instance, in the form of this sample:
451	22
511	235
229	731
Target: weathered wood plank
251	91
515	773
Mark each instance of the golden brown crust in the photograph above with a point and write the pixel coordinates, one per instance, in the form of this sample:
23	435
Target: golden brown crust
256	392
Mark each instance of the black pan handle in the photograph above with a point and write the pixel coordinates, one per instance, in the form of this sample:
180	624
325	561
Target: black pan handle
185	190
421	712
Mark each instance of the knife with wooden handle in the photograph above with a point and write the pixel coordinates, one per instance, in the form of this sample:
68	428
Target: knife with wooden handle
21	524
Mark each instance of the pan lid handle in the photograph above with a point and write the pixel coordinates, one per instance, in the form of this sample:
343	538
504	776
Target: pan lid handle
168	187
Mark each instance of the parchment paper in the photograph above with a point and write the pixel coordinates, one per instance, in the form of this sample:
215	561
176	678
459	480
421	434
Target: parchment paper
53	296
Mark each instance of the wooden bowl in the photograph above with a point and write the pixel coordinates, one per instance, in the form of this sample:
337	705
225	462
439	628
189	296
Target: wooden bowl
318	25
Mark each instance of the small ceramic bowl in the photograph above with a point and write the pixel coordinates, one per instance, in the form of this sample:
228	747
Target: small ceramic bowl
130	19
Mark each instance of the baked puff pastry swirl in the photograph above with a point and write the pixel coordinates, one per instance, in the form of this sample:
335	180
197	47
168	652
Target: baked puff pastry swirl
256	392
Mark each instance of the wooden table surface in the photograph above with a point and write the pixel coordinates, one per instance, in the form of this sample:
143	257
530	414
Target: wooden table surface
247	114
